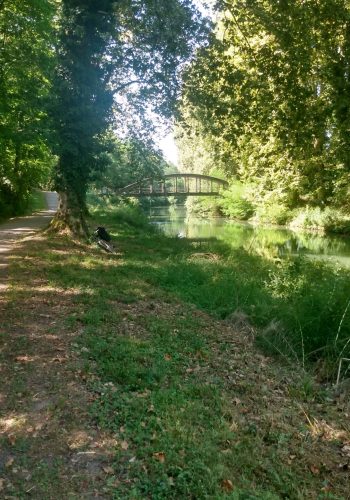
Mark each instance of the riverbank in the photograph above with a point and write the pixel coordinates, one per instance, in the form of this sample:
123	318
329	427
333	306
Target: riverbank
155	386
238	204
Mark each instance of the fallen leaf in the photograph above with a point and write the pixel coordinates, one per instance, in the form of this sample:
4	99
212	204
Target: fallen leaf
167	357
12	440
124	445
9	462
227	485
315	470
144	394
346	450
63	360
108	469
233	426
23	359
160	456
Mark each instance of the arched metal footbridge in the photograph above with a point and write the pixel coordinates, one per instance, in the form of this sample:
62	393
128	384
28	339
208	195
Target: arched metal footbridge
176	185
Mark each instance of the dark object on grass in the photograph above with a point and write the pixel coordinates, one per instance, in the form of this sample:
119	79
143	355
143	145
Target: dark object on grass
103	239
102	234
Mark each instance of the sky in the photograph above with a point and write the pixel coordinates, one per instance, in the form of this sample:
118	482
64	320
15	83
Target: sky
169	148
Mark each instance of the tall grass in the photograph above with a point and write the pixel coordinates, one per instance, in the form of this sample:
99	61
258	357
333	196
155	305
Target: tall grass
298	306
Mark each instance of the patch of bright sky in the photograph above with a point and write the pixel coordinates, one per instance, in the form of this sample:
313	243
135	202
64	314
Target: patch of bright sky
170	150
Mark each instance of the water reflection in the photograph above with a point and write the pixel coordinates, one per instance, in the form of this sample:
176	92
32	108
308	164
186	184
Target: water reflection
268	242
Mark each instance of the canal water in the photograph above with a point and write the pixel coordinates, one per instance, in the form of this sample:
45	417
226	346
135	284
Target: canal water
266	241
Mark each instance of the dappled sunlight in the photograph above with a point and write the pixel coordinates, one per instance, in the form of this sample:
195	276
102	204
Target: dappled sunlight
78	439
51	291
161	371
320	429
26	359
66	251
13	423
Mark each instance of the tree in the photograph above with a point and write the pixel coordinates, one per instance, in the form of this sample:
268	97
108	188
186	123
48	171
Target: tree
26	64
128	48
130	160
271	92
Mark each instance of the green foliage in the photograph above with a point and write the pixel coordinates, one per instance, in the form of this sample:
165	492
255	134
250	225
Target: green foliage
327	220
83	100
26	67
299	306
203	206
104	49
304	301
176	389
236	203
121	212
269	99
273	213
164	413
130	161
37	202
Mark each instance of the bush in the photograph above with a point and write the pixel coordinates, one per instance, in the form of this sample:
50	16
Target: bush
235	202
120	211
203	206
328	220
273	213
131	215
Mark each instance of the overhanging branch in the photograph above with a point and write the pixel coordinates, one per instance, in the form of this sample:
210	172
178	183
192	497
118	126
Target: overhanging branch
122	87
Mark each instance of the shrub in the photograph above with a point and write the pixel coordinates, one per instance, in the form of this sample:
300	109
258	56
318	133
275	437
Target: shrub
273	213
328	220
235	202
203	206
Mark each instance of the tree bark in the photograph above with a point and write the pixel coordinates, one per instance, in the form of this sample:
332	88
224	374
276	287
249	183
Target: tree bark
71	215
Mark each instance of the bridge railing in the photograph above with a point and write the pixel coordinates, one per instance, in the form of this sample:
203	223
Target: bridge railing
176	184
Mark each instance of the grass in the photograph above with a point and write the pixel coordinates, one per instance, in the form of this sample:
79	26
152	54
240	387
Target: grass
195	409
300	307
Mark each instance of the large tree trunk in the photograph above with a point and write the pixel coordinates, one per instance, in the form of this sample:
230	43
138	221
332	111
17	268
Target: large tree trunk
71	215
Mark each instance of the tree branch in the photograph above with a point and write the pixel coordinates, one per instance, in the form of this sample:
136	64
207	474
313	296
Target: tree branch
122	87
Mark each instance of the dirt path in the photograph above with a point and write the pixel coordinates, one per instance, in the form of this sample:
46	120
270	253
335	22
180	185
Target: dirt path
23	227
